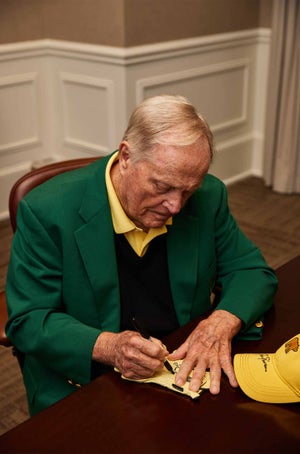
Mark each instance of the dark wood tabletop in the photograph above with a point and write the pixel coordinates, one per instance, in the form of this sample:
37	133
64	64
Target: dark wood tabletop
111	415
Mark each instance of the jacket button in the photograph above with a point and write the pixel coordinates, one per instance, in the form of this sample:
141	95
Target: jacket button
71	382
259	324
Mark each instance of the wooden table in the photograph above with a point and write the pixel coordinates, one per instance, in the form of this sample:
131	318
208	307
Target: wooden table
111	415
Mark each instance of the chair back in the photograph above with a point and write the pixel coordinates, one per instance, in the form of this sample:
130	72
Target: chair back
22	186
38	176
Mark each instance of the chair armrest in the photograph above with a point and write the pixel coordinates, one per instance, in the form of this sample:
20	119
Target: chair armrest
3	319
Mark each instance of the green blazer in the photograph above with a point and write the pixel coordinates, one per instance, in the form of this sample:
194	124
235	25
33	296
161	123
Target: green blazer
62	284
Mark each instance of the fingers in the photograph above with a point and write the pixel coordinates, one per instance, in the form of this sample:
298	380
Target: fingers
208	348
196	369
215	379
179	353
229	371
162	351
137	357
184	372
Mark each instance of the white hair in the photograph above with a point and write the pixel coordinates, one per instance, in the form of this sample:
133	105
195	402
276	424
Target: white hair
165	119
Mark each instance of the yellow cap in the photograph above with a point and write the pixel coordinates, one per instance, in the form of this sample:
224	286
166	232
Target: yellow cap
271	377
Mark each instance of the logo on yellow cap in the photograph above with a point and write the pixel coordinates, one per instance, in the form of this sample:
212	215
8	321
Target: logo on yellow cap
292	345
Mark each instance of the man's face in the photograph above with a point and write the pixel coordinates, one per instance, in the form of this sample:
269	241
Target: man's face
152	191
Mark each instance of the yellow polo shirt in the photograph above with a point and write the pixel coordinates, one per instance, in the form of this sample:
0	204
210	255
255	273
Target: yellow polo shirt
137	238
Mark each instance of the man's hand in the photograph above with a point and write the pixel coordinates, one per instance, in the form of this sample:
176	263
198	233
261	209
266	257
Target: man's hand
208	347
134	356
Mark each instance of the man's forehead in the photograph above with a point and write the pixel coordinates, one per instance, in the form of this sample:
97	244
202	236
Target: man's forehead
174	175
184	159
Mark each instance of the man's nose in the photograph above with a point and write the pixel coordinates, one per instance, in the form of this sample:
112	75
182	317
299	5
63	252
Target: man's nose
173	203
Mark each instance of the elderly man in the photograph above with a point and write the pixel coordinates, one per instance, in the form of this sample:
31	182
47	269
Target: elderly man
143	233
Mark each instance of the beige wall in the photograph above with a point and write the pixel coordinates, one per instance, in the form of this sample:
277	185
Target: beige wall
87	21
266	13
148	21
127	22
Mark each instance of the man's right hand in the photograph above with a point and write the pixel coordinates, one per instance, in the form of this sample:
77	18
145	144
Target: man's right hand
134	356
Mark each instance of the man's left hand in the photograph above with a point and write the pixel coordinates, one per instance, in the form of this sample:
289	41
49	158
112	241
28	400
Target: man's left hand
208	347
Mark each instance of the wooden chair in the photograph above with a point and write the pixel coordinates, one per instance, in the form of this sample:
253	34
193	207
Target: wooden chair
19	190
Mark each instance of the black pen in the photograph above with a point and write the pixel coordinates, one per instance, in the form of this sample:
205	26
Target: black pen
146	335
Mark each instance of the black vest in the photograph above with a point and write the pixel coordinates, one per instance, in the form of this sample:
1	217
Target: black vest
144	287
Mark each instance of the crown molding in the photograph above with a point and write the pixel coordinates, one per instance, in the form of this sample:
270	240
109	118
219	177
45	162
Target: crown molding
125	56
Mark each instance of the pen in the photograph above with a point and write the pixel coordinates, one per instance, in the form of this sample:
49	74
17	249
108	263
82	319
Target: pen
146	335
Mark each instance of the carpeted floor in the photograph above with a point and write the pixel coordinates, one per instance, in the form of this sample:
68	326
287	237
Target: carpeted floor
271	220
13	404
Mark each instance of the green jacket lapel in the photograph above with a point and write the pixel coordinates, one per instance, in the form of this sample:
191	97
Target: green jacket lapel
95	240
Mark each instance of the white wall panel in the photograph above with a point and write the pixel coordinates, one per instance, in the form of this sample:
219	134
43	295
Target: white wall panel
220	91
19	116
233	159
88	113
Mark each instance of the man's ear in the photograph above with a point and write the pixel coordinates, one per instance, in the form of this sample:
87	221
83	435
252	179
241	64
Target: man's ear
124	155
